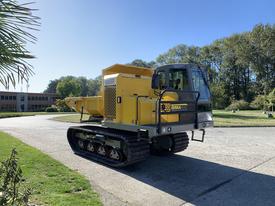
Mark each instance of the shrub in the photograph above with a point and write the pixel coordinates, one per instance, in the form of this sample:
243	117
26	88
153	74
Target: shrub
260	102
12	190
51	109
240	104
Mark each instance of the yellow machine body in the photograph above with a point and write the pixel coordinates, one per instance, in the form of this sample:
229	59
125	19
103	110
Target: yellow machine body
142	111
126	97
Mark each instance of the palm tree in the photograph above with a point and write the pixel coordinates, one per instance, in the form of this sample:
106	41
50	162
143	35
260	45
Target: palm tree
16	23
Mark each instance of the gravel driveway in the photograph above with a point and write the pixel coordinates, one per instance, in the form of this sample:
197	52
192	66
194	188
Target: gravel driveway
234	166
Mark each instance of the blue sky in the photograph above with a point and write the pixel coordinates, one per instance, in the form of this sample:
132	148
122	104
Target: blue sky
82	37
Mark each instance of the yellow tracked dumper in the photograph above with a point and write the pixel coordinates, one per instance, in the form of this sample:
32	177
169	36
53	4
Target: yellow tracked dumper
142	111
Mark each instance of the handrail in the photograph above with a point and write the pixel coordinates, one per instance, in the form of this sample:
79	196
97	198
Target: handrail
160	102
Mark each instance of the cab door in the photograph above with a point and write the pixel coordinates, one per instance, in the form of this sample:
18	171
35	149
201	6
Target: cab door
200	84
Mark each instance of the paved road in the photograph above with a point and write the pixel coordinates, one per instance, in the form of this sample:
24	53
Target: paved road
235	166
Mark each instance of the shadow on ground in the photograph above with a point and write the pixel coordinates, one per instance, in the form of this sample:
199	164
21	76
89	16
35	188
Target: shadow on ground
189	179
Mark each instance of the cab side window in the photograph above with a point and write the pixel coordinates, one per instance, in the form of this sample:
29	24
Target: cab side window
199	84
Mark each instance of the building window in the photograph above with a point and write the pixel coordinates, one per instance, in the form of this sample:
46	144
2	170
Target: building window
14	97
6	97
22	98
22	107
2	97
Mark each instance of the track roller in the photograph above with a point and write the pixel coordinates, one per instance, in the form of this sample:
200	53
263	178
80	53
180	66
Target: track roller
91	147
81	144
101	150
115	154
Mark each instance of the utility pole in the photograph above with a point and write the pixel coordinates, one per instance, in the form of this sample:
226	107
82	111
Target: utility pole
28	85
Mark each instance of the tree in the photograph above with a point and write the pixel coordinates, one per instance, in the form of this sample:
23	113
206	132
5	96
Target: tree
211	56
16	22
94	86
180	54
141	63
84	82
51	88
174	55
68	86
74	86
193	55
219	97
232	70
262	56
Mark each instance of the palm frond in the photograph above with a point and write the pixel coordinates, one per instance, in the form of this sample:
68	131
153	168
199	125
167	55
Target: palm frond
16	23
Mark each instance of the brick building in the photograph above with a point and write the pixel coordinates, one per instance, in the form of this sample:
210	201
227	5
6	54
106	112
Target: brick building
25	102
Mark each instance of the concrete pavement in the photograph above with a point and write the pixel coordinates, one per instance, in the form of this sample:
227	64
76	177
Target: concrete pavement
235	166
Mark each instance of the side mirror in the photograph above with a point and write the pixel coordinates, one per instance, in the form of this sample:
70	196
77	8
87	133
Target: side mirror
155	81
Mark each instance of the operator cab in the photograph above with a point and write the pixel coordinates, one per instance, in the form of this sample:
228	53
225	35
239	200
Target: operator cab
177	77
189	81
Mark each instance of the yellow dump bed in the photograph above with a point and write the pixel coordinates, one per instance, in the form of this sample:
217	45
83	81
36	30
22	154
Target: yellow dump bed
88	105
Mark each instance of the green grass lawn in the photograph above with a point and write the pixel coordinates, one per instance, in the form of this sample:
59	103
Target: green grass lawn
247	118
21	114
52	183
222	118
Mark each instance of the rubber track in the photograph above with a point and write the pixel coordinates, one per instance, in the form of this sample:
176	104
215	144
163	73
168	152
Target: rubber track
181	142
136	150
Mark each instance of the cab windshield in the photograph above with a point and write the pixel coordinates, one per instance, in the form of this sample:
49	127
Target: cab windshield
177	79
